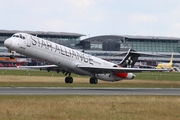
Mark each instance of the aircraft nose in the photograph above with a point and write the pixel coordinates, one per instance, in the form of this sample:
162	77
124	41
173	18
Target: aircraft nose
8	43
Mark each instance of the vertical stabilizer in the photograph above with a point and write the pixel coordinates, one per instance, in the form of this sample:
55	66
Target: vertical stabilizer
171	59
130	59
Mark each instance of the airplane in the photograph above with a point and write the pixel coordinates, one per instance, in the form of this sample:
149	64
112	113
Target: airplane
69	60
19	64
166	65
169	66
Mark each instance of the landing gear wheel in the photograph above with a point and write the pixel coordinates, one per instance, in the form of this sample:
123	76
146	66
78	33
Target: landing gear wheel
93	80
68	80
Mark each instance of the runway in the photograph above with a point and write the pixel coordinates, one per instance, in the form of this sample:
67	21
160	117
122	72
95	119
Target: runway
87	91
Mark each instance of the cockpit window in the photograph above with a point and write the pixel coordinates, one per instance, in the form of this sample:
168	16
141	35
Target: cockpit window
19	36
15	36
23	37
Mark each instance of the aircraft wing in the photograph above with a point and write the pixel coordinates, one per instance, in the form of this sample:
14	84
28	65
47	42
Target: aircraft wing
36	67
99	69
44	67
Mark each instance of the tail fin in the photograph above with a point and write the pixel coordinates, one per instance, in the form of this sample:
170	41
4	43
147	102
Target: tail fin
171	60
130	59
19	64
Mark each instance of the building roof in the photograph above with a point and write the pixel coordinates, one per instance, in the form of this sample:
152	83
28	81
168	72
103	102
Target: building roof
42	33
151	37
123	37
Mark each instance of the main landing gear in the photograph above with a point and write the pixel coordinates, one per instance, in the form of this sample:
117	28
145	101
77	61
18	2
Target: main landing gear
93	80
69	79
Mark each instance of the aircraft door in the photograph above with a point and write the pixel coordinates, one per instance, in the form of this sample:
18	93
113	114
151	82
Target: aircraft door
28	41
23	40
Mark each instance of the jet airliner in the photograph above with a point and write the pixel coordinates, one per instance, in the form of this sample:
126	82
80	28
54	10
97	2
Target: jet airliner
166	65
69	61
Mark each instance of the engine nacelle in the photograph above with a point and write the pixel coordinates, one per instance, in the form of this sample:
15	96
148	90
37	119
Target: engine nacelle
130	76
125	75
116	77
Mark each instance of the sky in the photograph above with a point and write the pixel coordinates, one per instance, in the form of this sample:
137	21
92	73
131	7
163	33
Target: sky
93	17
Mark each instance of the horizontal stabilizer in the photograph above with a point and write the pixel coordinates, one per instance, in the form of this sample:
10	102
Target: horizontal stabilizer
101	69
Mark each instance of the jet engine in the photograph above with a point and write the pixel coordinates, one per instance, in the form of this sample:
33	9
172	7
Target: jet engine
125	75
115	77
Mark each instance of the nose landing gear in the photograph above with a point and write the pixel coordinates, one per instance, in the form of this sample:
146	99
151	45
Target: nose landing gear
12	56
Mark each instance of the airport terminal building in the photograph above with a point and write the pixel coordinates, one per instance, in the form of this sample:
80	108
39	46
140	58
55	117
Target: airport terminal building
105	46
138	43
108	46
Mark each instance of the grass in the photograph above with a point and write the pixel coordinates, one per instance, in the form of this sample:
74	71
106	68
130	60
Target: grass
30	72
49	81
159	76
36	78
89	107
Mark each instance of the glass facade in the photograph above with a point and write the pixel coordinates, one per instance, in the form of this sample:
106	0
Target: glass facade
155	45
102	43
138	43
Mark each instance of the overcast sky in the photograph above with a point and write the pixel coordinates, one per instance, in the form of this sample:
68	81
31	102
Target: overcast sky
93	17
